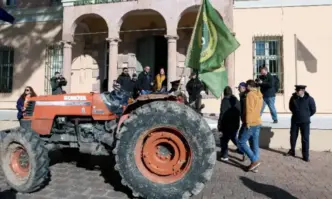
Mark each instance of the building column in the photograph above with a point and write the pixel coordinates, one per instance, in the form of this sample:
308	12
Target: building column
67	61
172	59
113	61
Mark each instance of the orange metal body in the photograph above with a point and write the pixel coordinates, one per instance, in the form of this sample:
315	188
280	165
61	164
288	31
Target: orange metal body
77	105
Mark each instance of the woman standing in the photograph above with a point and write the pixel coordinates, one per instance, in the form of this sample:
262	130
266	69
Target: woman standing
28	92
160	78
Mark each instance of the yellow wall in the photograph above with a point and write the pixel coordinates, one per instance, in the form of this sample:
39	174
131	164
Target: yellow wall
313	28
29	41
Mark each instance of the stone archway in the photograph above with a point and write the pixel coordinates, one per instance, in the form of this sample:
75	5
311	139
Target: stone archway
185	27
89	53
143	42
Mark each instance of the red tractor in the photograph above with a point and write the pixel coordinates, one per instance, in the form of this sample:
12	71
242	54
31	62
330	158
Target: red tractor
162	148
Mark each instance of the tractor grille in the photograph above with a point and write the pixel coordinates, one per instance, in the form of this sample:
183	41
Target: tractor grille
30	108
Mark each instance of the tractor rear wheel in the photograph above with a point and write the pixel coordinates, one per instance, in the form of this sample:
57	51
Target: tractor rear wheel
24	160
165	150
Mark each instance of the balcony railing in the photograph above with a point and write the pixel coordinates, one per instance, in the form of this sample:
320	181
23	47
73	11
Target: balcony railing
89	2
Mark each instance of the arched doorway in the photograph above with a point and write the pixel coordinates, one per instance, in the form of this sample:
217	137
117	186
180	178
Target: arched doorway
90	56
142	41
185	27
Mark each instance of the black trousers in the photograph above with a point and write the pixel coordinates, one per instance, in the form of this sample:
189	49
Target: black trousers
304	128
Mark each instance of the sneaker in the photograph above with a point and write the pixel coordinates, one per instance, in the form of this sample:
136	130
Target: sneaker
224	159
275	121
255	170
306	159
254	165
290	153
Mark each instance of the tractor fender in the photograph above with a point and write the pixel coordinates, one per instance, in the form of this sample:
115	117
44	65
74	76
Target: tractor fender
140	101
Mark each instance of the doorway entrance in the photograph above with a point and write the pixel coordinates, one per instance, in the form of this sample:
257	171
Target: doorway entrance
152	51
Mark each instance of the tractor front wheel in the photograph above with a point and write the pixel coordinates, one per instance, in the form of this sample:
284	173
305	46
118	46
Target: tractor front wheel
165	150
24	160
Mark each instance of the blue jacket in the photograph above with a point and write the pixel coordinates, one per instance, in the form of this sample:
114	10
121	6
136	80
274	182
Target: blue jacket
19	106
302	108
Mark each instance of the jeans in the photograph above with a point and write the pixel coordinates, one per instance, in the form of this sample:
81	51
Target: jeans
250	134
270	101
145	92
226	137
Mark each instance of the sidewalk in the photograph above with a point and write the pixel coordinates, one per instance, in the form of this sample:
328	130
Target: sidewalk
319	121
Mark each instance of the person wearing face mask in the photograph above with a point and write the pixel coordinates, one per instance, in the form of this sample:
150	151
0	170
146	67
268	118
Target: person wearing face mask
302	106
28	92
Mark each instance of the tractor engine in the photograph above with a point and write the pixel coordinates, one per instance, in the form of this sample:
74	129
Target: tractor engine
90	137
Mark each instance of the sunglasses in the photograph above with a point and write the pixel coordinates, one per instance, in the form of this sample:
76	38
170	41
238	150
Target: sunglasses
27	90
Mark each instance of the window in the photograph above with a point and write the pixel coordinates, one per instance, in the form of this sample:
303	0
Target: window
267	50
54	63
6	69
10	2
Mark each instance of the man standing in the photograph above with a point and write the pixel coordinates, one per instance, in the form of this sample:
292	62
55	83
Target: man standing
125	81
56	84
266	82
145	81
194	88
134	85
253	105
302	106
242	94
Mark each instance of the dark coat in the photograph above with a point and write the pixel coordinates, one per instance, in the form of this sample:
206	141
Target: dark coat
267	87
144	81
19	106
243	97
57	86
125	82
135	89
302	108
230	113
194	88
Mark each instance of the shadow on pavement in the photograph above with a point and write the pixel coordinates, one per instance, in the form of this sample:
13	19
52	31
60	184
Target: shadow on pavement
104	163
269	191
8	194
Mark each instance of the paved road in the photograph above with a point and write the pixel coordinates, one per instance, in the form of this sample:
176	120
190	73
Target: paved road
278	177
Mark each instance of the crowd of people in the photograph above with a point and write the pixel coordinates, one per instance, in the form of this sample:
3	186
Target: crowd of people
239	120
254	96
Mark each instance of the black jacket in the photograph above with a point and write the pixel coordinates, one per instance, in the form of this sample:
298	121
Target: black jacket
194	88
267	87
57	85
230	113
125	82
144	81
243	97
302	108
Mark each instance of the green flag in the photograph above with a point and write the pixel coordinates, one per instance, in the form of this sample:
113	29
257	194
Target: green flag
211	42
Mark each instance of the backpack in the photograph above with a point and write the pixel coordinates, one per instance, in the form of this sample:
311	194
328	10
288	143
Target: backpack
276	83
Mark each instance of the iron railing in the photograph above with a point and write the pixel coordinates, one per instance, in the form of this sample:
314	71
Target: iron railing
53	63
268	51
6	69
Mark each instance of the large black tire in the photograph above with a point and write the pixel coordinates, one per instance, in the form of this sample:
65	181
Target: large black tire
197	135
24	160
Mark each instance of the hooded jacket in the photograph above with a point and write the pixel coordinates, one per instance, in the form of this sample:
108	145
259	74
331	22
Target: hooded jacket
230	112
125	81
302	108
253	106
